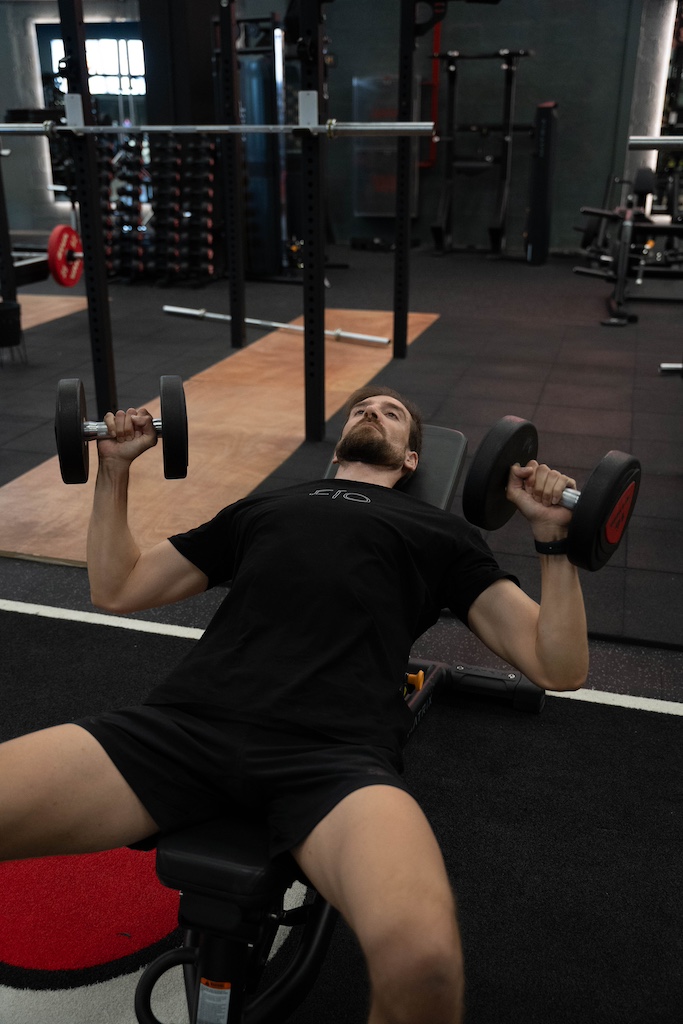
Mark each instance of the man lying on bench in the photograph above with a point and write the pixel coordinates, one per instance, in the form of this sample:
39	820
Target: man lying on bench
291	705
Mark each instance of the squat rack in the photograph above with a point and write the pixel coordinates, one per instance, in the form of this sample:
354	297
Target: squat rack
314	135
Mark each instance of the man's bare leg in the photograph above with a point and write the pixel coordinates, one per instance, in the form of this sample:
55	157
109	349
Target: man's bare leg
60	793
375	858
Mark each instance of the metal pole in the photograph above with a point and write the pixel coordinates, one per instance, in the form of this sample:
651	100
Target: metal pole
443	228
8	281
309	48
655	142
84	152
497	233
232	166
404	151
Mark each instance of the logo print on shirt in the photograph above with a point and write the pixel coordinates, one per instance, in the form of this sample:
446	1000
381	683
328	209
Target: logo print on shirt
331	492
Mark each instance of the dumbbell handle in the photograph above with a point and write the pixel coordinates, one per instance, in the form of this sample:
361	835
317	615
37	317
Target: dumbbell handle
93	431
570	498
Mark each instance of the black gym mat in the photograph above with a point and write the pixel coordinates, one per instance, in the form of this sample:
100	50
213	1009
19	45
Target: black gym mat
562	833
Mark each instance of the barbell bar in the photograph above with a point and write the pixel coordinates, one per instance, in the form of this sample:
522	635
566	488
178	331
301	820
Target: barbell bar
73	429
331	129
600	511
655	142
338	334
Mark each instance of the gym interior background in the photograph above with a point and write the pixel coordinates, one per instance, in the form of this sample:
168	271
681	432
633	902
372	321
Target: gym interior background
503	336
584	58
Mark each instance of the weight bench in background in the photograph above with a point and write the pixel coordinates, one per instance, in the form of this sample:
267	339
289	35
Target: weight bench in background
232	900
631	256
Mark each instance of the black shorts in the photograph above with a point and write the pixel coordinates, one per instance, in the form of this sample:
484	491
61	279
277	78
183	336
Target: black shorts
186	766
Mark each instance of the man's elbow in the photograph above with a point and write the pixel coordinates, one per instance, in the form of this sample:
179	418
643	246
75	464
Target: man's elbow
567	686
114	604
566	681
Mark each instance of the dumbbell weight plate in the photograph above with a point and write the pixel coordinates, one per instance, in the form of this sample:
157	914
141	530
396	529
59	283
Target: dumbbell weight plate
603	511
174	427
72	448
63	242
484	501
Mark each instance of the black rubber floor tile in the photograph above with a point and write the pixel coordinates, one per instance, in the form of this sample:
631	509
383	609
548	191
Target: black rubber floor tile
654	607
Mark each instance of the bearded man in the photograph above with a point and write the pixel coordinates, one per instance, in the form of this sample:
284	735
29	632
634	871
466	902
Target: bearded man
290	705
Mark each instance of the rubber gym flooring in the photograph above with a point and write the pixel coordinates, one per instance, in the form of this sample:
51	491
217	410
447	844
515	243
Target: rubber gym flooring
560	831
508	338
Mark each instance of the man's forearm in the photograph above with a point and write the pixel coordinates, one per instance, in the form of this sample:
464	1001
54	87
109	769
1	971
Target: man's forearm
112	552
562	632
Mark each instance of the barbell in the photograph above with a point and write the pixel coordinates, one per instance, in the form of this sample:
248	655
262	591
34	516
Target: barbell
330	129
600	511
73	429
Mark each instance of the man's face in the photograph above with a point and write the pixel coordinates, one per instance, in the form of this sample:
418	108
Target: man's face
377	432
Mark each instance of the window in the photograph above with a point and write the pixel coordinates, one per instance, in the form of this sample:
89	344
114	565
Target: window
116	70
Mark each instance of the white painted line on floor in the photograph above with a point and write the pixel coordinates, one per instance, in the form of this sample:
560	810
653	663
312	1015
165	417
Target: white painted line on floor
622	700
98	619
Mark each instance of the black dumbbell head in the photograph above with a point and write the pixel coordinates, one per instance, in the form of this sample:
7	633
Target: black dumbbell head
484	501
174	427
70	415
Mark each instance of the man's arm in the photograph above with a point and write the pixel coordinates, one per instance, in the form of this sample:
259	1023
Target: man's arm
547	642
122	578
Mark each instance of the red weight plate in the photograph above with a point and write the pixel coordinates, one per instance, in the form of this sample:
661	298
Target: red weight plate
621	513
603	511
65	255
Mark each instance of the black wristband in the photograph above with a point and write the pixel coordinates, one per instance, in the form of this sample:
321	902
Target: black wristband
552	547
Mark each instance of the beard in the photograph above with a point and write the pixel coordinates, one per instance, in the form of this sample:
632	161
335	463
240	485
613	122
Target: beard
366	444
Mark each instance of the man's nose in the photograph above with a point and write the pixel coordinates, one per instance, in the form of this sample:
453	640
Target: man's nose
371	413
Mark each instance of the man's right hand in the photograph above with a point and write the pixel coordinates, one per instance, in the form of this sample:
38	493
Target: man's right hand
130	434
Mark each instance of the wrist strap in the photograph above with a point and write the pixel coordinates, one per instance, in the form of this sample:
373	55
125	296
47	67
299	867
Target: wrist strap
553	547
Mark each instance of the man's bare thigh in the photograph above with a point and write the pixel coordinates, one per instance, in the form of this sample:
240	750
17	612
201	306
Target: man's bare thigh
365	857
61	793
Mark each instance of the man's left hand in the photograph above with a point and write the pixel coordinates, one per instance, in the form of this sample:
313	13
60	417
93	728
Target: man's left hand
536	490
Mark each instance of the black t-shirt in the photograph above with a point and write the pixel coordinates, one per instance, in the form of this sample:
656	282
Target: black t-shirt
330	585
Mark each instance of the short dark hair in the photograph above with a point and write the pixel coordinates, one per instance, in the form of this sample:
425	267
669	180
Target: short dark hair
370	390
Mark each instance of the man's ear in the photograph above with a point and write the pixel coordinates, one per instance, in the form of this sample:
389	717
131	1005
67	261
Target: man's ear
410	462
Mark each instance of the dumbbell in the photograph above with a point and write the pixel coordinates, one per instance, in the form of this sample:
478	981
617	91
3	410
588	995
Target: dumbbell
600	511
73	429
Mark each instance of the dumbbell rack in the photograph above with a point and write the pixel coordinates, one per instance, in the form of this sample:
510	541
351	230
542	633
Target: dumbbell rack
161	225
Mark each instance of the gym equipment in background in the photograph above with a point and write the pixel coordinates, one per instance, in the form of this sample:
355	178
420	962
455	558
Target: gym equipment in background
622	246
458	159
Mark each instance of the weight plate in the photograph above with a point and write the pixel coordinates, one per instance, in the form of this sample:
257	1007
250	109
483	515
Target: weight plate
484	501
65	255
603	511
72	448
174	431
